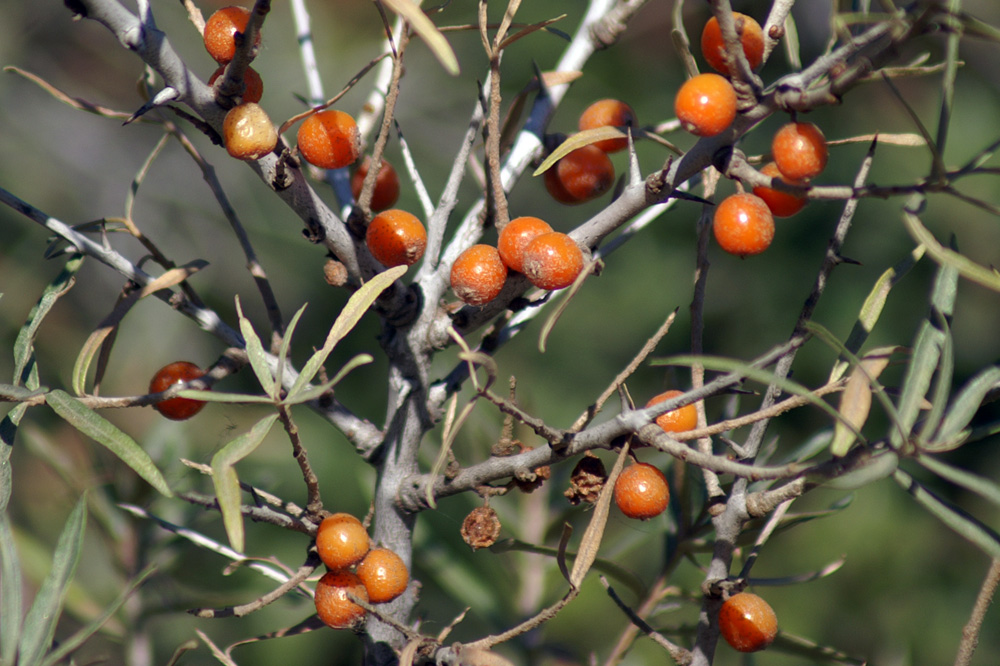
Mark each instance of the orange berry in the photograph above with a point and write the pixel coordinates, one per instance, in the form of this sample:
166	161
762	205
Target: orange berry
747	622
552	260
515	237
253	85
220	32
713	46
383	574
329	139
396	238
676	420
641	491
799	150
478	275
608	113
248	132
176	409
743	225
782	204
341	541
333	605
706	105
580	176
386	191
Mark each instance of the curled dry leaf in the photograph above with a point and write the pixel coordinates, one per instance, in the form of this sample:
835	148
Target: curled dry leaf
856	400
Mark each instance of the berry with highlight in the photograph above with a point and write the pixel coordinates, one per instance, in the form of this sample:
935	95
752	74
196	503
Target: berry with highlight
641	491
580	176
743	225
341	541
713	46
478	275
248	132
396	238
386	192
333	605
552	260
608	113
179	372
515	237
681	419
329	139
782	204
706	105
799	150
383	574
747	622
220	32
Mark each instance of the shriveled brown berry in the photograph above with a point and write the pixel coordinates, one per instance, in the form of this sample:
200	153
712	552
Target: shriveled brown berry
481	527
335	273
530	480
587	480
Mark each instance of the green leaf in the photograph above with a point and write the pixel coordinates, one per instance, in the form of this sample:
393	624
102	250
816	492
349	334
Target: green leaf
227	484
942	383
255	352
970	270
8	430
960	521
40	622
356	306
10	593
286	341
105	433
24	346
963	407
79	637
312	394
979	485
219	396
17	393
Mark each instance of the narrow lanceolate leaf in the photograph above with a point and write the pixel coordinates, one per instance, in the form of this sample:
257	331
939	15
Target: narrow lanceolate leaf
576	141
356	306
590	543
965	524
970	270
439	46
286	341
71	644
317	391
40	622
227	484
105	433
10	593
24	345
856	400
255	352
953	430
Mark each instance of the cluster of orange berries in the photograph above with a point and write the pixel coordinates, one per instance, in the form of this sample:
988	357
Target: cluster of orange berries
641	490
374	575
550	259
587	172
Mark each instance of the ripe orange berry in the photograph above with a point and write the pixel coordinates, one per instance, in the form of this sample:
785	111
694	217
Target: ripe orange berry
253	85
332	603
706	105
782	204
248	132
713	46
478	275
743	225
799	150
608	113
515	237
220	32
341	541
386	191
676	420
396	238
552	260
176	409
383	574
641	491
747	622
580	176
329	139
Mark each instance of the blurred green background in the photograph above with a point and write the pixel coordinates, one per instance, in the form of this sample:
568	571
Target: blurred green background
907	583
